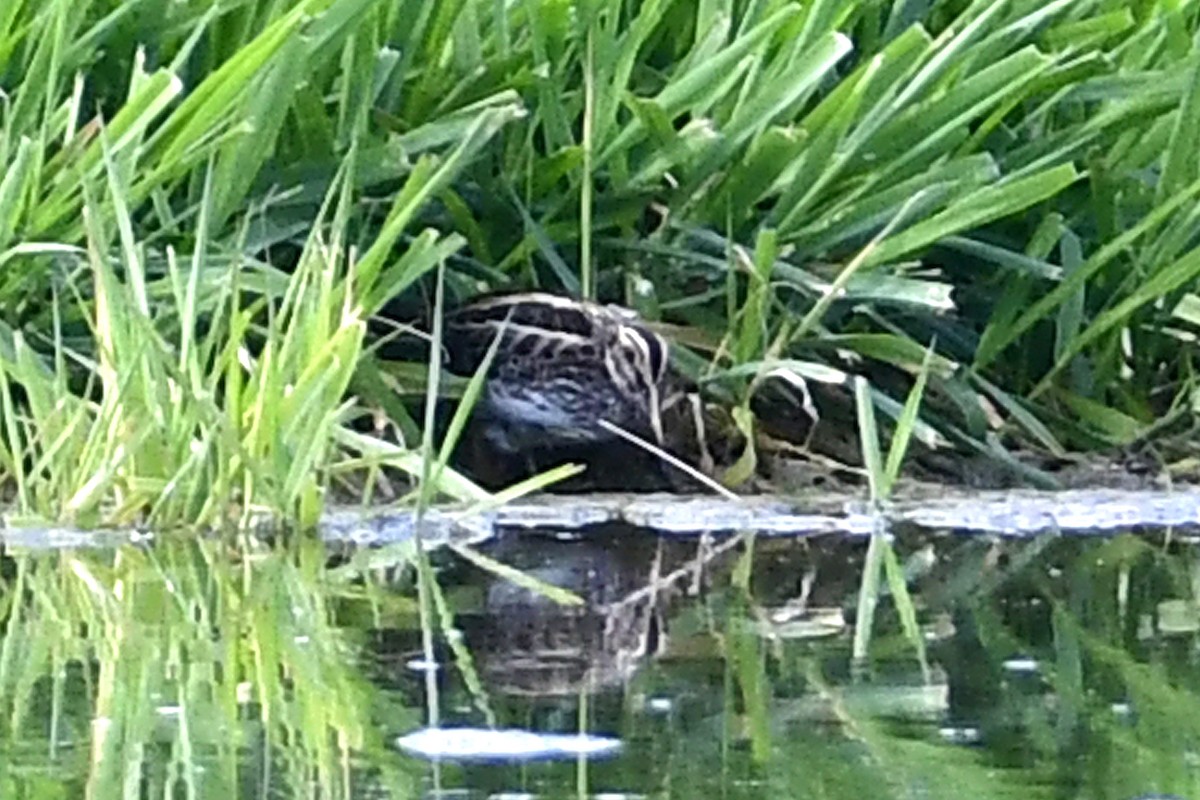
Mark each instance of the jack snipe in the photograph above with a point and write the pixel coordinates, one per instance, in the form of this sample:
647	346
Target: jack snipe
561	367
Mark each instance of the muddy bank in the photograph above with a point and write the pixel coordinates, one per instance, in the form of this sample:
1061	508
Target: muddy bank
1005	513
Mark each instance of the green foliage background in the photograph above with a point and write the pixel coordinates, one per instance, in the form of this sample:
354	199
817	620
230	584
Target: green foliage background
203	204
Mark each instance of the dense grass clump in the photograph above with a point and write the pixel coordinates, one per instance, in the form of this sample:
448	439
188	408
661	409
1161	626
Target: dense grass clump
204	205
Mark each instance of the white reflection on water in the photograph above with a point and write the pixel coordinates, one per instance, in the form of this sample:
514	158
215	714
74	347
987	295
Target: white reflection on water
510	744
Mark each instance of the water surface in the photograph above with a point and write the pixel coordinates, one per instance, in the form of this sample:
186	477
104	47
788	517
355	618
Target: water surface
1050	666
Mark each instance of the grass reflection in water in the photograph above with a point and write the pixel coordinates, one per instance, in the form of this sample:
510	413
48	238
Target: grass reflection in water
1059	667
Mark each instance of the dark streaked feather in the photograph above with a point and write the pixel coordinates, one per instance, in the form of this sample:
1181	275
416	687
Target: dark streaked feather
561	366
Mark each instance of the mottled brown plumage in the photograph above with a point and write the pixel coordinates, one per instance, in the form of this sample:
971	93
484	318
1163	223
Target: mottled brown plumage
561	367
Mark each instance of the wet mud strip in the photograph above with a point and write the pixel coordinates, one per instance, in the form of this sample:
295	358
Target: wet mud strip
1014	513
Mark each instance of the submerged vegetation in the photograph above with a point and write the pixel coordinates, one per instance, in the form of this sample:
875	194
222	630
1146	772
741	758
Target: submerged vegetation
209	211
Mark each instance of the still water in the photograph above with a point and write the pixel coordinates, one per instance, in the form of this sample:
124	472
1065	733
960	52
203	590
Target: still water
1041	667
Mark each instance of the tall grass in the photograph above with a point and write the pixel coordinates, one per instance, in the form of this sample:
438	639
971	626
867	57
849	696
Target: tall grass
202	206
189	673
